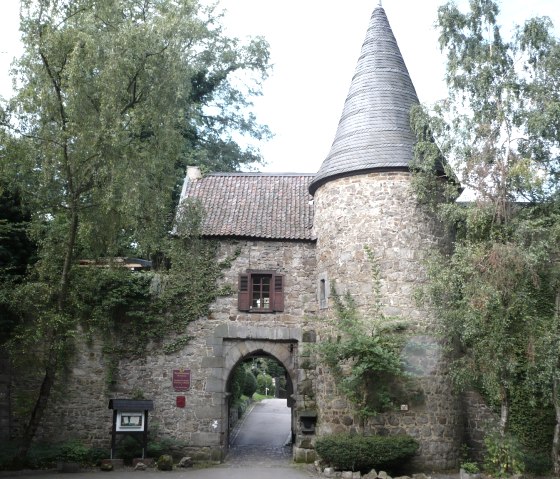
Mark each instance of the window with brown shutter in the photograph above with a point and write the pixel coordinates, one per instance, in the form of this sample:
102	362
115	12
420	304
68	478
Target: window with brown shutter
243	296
261	292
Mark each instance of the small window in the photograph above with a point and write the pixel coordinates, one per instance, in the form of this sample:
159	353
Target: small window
323	291
261	292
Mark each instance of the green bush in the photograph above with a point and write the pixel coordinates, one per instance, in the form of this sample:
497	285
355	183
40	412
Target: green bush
238	382
538	463
470	467
363	453
250	385
164	445
46	456
503	455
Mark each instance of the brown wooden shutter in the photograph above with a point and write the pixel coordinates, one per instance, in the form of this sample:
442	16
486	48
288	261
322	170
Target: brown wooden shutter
243	296
278	291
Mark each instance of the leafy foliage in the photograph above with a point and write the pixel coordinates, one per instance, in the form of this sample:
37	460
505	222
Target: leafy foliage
113	99
363	453
46	456
503	456
238	382
496	292
364	356
16	254
249	385
265	385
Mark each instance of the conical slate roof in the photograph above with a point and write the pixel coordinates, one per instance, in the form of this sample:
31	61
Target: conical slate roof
374	129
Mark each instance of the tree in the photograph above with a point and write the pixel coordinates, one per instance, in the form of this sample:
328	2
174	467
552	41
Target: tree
499	129
16	254
106	91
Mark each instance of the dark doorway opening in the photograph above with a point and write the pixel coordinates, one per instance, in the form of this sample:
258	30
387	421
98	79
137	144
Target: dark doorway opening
260	410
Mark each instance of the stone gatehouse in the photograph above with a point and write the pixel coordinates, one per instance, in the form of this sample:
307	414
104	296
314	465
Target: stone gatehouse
296	235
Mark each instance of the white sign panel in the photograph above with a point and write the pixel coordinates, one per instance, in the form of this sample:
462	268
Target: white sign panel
130	421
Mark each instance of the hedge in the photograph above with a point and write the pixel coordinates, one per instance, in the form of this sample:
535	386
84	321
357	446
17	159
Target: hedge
363	453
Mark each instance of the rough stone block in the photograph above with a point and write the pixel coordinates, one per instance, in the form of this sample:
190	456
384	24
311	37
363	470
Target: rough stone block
212	362
208	412
115	463
206	438
309	336
147	461
221	331
328	472
214	385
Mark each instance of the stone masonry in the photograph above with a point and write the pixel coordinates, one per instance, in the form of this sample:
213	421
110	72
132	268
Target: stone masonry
378	211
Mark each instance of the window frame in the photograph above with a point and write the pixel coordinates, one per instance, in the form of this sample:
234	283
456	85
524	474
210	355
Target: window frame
246	291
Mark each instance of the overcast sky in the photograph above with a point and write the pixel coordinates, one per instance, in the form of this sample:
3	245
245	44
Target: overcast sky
314	48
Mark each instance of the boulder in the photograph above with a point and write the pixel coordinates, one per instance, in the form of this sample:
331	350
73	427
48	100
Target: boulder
185	462
165	463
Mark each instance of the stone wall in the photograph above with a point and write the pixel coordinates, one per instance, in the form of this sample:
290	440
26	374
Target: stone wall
219	342
78	404
479	421
378	211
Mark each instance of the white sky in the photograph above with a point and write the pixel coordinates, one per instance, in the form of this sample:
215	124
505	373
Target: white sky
314	48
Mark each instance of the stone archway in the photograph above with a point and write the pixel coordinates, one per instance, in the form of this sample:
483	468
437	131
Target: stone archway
232	343
237	350
261	353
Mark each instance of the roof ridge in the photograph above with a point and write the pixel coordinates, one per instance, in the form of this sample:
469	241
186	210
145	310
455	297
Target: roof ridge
254	173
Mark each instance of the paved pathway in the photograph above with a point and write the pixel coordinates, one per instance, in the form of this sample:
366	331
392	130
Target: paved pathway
263	436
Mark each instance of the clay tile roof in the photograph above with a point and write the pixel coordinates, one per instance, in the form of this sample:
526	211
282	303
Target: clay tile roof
256	205
374	129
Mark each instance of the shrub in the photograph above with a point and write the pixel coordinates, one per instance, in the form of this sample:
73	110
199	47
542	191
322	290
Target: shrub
165	463
538	463
250	385
470	467
363	453
164	445
238	382
503	455
45	456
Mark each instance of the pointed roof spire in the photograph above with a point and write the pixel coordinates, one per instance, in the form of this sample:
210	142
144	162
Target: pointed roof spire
374	129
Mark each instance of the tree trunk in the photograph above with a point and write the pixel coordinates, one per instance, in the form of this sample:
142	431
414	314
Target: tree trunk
555	399
40	404
57	344
504	411
556	438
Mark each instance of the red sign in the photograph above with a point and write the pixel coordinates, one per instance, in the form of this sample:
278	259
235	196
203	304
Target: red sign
181	401
181	379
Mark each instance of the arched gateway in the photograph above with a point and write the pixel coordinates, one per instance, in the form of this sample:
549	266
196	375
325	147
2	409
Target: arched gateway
235	347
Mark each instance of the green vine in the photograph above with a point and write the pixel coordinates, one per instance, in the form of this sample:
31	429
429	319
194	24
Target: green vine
364	353
133	310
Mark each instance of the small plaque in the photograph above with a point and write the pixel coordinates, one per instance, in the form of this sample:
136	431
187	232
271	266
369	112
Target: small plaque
181	379
181	401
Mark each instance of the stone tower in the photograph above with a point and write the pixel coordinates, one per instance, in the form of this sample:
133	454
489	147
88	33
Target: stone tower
363	198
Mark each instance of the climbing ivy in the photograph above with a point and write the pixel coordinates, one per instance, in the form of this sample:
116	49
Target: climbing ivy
363	353
133	310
